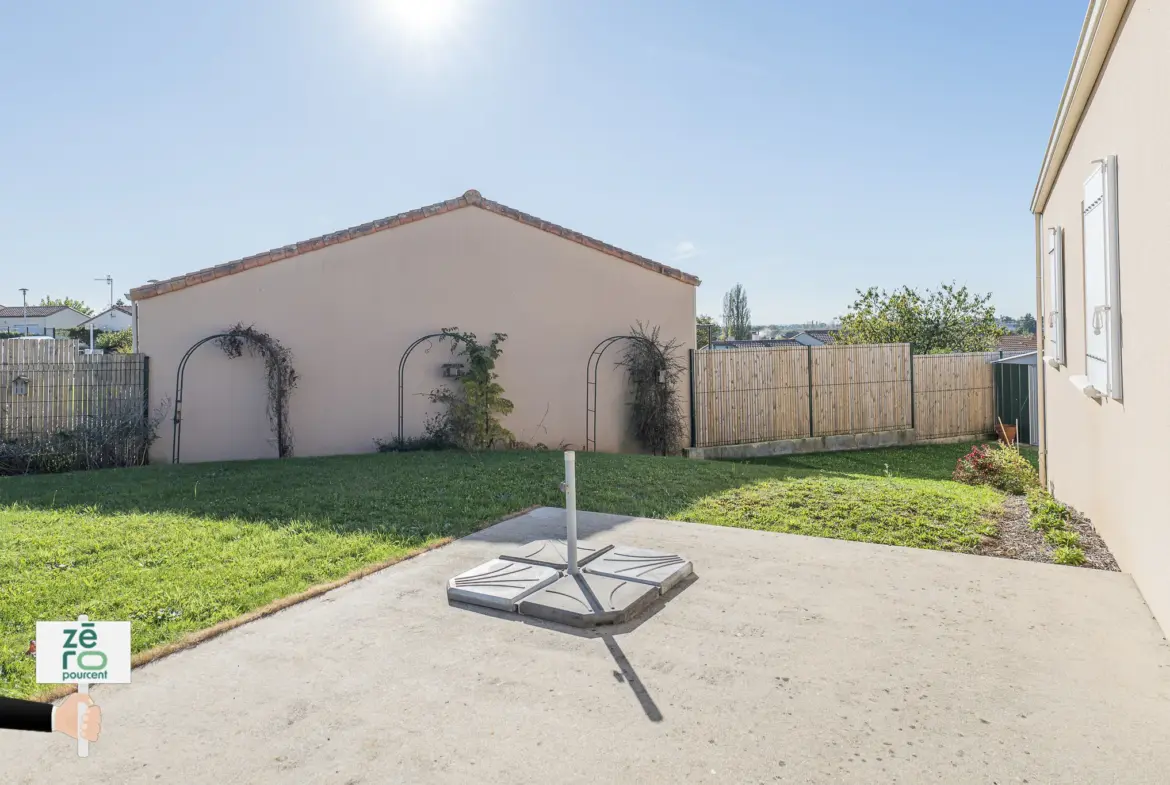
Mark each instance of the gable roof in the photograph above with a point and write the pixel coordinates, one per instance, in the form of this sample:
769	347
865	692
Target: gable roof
471	198
33	311
123	308
824	336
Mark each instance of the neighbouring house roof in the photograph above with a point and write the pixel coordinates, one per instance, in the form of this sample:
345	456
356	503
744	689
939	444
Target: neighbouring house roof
123	308
471	198
35	311
824	336
1017	343
758	343
1102	21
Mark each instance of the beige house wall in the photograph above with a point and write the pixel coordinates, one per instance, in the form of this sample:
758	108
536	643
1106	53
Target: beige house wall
348	311
1111	459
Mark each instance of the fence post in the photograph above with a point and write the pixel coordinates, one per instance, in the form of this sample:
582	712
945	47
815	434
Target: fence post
691	372
145	404
811	419
913	412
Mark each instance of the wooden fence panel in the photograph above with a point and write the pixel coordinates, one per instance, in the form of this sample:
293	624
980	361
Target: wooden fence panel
744	396
756	395
860	389
750	395
954	394
47	387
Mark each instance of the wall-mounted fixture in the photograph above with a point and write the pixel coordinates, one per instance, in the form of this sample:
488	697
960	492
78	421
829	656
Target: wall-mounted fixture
453	370
20	385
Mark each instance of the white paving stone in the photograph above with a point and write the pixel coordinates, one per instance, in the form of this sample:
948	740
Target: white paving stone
499	584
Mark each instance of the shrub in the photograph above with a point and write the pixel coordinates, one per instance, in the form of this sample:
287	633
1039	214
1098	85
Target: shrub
1000	467
436	436
1070	555
655	373
120	435
1062	538
471	419
1052	517
1047	513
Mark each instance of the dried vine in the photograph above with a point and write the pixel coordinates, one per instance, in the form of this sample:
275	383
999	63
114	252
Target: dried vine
282	377
654	372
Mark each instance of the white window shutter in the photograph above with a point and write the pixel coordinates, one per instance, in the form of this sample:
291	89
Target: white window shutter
1102	307
1113	263
1055	310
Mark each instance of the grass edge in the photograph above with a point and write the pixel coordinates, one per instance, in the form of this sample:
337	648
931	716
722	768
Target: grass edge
193	639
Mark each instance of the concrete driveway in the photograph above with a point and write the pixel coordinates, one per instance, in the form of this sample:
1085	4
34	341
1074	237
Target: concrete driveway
789	659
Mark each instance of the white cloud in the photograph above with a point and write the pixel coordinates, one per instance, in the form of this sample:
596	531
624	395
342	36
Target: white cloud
685	250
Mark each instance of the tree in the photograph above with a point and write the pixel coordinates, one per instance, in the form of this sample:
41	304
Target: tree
705	330
1027	325
949	319
737	317
68	302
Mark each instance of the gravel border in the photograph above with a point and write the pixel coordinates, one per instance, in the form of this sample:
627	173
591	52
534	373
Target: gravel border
1016	539
1097	555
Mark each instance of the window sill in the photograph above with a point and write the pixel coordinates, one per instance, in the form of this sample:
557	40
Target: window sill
1083	384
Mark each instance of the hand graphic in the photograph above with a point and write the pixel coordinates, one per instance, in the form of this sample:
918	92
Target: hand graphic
65	717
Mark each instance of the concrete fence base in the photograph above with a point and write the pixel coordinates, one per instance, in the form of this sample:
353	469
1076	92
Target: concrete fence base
849	441
970	437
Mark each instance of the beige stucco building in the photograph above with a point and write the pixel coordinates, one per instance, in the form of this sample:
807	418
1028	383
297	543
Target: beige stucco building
348	304
1102	207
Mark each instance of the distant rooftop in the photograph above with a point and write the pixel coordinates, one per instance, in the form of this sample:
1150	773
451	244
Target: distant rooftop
36	311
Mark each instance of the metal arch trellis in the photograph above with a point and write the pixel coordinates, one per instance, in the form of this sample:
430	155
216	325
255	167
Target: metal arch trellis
180	374
591	369
402	367
177	427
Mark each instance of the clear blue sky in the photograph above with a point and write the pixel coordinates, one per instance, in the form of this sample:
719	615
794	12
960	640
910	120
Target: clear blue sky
803	149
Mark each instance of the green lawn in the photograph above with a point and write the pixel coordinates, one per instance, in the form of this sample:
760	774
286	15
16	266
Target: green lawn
180	548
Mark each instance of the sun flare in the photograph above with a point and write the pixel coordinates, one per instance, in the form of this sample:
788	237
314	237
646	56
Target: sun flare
425	19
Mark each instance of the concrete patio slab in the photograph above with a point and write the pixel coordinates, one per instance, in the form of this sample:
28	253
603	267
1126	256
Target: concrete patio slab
786	659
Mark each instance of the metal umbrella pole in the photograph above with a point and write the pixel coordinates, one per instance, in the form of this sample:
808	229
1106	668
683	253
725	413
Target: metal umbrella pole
569	487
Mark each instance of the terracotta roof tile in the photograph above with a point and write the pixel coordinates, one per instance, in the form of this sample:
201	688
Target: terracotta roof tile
1017	343
470	199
